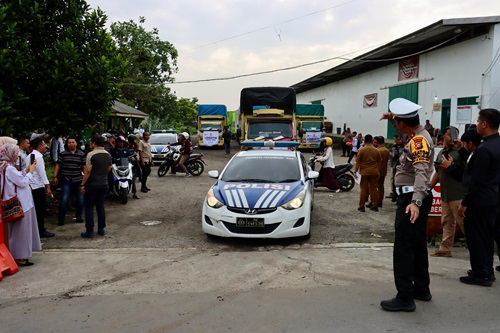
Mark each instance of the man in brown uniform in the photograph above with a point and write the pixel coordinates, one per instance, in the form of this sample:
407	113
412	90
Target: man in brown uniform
412	180
379	143
367	163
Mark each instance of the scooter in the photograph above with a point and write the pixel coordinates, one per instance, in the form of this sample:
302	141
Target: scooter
343	174
194	164
121	171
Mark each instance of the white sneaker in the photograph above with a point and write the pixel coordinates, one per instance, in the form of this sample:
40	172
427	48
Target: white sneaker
188	174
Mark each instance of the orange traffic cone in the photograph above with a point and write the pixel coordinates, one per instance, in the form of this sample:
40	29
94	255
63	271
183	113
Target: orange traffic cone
8	265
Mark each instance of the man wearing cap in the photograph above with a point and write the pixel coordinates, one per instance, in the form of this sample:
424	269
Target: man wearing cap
412	180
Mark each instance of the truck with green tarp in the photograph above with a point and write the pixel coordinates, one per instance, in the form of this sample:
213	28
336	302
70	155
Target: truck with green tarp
212	118
310	122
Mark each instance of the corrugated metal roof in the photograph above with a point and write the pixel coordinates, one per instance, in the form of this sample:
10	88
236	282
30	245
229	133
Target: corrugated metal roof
437	35
120	109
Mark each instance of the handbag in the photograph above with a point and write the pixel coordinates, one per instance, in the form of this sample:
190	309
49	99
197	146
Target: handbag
12	210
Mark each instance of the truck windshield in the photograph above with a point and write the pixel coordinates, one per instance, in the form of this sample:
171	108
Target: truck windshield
210	127
311	126
269	130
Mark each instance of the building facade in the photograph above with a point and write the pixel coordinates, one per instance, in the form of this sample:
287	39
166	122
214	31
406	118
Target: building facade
451	68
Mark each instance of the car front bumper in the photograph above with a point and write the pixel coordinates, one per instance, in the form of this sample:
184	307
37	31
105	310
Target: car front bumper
280	223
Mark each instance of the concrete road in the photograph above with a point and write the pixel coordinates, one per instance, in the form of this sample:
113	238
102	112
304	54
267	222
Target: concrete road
299	288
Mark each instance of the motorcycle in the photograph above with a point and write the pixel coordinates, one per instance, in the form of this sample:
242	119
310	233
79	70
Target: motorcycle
122	174
194	164
343	174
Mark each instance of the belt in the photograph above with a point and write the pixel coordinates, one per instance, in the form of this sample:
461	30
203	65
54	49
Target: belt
404	189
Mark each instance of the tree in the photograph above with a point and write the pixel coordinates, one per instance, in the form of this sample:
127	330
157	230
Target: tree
58	64
151	63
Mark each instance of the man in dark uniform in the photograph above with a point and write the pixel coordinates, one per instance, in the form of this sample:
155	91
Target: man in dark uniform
480	199
412	179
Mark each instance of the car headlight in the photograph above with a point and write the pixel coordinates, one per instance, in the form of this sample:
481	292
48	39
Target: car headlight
296	202
212	201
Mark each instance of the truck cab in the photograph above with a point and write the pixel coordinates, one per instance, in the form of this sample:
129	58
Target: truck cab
310	122
212	118
267	113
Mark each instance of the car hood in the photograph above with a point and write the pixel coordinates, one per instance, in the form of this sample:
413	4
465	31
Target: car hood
256	195
159	148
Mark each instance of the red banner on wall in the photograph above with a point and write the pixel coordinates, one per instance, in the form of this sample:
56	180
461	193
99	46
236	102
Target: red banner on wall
408	68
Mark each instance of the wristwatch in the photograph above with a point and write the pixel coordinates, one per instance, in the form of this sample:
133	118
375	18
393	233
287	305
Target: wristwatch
417	202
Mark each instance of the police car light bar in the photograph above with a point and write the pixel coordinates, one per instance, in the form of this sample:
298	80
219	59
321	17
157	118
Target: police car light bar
269	143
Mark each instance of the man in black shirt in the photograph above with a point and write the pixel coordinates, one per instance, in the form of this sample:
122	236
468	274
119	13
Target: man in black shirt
226	135
68	173
479	206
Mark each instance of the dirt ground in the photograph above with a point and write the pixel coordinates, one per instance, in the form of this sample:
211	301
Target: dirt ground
169	216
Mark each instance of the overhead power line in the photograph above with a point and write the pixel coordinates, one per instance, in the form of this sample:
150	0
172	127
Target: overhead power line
318	62
272	25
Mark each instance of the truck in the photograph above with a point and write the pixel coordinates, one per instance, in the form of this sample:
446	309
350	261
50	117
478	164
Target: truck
267	113
212	118
310	122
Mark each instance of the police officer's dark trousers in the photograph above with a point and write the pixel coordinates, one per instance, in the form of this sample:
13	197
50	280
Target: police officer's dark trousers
411	263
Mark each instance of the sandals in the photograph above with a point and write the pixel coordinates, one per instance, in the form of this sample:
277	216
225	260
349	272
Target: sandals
24	262
438	253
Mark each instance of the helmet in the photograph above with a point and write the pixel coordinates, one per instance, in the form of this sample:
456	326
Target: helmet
104	137
328	141
131	138
185	135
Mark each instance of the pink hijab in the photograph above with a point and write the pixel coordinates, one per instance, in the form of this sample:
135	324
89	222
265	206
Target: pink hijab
7	139
8	154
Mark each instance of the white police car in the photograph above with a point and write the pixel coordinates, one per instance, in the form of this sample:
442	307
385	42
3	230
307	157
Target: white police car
261	194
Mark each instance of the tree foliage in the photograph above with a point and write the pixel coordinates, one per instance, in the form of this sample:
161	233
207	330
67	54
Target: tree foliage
152	62
58	64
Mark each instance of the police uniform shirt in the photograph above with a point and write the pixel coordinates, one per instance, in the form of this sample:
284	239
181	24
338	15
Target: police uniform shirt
416	163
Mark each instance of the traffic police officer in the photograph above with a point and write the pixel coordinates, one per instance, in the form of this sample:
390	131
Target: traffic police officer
414	201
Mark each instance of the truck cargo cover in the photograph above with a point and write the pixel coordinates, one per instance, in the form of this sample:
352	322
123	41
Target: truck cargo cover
212	110
310	110
274	97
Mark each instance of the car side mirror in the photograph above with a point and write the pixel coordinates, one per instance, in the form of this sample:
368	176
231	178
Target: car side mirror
213	174
312	175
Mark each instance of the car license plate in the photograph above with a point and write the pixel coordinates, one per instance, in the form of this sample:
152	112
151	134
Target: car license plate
250	222
158	156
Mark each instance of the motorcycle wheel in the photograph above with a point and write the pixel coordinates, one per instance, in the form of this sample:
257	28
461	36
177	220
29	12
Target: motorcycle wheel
196	168
349	180
123	195
162	170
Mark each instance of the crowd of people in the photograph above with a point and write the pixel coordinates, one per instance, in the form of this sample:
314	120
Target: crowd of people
81	171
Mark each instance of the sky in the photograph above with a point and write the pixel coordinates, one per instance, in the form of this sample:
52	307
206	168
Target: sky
221	39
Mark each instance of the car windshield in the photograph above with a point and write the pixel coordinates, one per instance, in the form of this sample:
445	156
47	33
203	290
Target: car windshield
162	139
269	130
262	169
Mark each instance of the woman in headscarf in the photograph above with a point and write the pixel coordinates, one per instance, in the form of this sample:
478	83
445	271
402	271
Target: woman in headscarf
23	234
326	173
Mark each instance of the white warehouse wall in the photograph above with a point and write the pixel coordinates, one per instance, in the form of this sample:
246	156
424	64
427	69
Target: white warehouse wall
451	72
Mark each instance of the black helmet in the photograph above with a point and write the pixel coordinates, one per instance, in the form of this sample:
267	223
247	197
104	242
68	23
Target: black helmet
131	138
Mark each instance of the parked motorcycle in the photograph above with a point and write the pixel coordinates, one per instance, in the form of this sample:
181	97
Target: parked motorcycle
122	173
343	174
194	164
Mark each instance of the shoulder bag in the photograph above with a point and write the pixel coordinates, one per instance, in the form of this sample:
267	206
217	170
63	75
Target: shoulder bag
12	210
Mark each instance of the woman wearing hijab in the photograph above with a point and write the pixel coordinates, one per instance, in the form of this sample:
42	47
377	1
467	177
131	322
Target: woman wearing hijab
326	174
23	234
